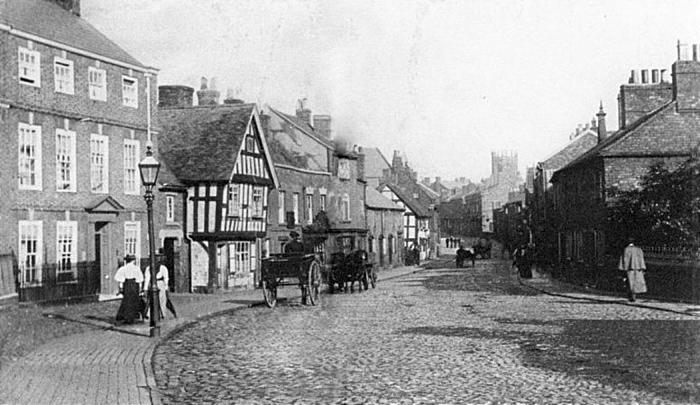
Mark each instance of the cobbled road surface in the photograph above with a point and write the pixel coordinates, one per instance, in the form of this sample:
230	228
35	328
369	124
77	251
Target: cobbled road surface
442	336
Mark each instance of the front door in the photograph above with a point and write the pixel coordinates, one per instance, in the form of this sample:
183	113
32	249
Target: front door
169	251
102	259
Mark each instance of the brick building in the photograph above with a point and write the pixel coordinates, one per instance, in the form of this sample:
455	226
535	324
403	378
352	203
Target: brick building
400	183
385	230
541	202
322	190
218	154
75	118
659	122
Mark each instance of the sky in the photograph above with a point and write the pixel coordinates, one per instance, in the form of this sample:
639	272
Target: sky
443	82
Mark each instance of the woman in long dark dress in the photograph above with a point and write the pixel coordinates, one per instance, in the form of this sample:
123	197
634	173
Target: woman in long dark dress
130	279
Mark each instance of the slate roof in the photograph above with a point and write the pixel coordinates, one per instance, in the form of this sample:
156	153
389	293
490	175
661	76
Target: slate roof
663	132
419	209
375	200
202	143
573	149
294	128
49	20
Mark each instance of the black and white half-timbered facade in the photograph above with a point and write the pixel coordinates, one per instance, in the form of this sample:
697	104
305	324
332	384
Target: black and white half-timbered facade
218	152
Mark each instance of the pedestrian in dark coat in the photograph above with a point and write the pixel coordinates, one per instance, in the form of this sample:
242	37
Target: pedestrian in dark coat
130	278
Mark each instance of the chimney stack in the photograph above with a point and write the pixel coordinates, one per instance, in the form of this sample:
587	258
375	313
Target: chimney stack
231	97
303	112
71	5
175	96
602	131
640	97
322	125
207	94
686	84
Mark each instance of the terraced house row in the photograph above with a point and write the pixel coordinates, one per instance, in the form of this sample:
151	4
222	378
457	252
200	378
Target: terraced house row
77	114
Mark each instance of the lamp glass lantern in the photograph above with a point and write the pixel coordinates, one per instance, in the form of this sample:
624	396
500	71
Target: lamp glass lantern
149	168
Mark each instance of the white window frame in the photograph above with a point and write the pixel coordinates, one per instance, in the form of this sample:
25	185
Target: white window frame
99	164
66	247
30	261
132	180
240	257
169	208
323	202
130	91
234	200
345	207
344	169
97	83
29	66
132	238
256	203
64	79
65	161
29	157
309	208
281	218
295	207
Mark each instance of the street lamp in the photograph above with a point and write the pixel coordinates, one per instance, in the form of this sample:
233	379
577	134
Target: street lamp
149	168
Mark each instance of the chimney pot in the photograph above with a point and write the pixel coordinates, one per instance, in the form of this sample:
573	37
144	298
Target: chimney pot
655	76
645	76
208	95
634	78
682	51
695	52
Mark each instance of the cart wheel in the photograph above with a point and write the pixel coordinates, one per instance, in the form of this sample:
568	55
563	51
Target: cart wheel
270	293
313	290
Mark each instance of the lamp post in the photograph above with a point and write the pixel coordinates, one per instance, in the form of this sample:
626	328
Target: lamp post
149	168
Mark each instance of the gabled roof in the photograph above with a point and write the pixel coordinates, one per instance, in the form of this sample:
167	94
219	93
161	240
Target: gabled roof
50	21
414	205
571	150
295	155
662	132
432	193
202	143
375	162
375	199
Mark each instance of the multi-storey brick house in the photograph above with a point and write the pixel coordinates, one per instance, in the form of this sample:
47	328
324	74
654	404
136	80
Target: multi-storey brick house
217	151
75	119
385	230
659	122
541	202
322	190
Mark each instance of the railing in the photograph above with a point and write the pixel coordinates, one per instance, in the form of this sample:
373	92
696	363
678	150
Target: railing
676	253
82	281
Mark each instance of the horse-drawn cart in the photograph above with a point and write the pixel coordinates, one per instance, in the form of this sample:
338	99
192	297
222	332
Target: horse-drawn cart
346	269
278	270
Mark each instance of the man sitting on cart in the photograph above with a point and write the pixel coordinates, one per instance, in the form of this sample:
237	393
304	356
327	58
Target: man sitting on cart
294	246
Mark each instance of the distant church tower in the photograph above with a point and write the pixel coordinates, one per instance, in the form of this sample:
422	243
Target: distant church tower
504	164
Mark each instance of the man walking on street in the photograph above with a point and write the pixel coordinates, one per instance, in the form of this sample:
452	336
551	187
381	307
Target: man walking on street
632	262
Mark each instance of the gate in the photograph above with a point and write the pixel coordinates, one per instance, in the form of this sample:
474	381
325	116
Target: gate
8	280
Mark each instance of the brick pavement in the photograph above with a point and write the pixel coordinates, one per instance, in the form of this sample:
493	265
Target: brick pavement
112	365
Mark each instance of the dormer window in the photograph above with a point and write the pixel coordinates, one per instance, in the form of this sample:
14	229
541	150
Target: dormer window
344	169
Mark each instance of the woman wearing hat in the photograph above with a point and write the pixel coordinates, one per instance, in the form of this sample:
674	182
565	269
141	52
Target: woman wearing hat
129	277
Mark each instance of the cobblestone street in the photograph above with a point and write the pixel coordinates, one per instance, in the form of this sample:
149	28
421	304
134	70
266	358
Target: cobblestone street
442	336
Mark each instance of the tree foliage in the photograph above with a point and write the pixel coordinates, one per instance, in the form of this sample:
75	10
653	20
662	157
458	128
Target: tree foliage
663	210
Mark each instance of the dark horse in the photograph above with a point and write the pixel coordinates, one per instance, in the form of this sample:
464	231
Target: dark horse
464	254
347	269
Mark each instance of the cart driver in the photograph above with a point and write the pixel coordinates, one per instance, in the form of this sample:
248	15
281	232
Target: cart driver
294	247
